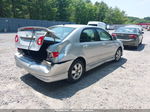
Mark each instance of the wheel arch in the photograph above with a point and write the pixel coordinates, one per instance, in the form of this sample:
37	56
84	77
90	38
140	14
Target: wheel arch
82	59
121	49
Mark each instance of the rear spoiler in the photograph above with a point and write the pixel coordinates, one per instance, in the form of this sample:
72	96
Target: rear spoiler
34	28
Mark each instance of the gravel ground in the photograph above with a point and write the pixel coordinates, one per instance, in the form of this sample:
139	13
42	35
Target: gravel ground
121	85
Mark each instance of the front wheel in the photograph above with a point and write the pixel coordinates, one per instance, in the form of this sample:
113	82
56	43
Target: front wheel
118	54
76	71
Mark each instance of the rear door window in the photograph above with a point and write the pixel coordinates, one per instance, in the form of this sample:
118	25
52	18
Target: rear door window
103	35
89	35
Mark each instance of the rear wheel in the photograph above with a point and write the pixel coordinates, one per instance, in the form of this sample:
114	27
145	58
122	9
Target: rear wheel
141	41
118	54
135	47
76	71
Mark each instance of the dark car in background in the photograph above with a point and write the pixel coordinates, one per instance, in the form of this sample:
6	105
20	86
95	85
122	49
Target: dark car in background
130	36
136	26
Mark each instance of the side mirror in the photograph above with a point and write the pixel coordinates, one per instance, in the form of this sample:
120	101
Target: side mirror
142	32
114	38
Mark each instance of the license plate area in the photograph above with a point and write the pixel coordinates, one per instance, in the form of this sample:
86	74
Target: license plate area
25	42
120	35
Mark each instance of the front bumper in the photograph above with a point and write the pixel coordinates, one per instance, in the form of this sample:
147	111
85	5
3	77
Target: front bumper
129	42
44	71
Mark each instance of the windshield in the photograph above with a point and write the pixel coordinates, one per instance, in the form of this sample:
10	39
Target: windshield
126	30
61	32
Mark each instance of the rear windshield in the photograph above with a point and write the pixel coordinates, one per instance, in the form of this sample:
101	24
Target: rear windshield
61	32
126	30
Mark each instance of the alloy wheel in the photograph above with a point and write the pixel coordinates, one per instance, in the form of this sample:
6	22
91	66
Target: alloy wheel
77	71
118	55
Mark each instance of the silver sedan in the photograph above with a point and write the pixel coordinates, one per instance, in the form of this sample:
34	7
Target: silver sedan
64	51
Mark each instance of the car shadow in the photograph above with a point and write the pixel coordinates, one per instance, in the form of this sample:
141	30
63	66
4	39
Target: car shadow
63	89
140	48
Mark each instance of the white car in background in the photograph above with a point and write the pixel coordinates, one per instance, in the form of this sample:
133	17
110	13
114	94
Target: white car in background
98	24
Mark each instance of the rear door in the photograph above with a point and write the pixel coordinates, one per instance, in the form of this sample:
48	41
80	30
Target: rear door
107	46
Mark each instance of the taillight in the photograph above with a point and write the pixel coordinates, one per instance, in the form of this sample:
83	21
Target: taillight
114	35
55	54
16	38
133	36
40	40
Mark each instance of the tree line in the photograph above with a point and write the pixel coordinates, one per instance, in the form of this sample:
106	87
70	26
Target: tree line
78	11
136	20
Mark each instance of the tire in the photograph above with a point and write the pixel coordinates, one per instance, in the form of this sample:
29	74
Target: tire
141	41
76	71
118	54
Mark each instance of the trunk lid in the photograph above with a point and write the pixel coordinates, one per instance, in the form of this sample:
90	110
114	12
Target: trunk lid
124	36
31	38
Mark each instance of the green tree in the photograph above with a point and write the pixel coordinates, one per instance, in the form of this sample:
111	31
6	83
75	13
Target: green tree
78	11
101	11
82	11
115	16
135	20
62	13
90	13
41	9
147	18
5	8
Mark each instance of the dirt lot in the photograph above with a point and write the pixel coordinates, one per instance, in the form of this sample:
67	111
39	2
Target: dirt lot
125	84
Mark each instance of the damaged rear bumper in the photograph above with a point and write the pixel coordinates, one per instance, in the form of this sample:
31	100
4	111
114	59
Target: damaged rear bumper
129	42
44	71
